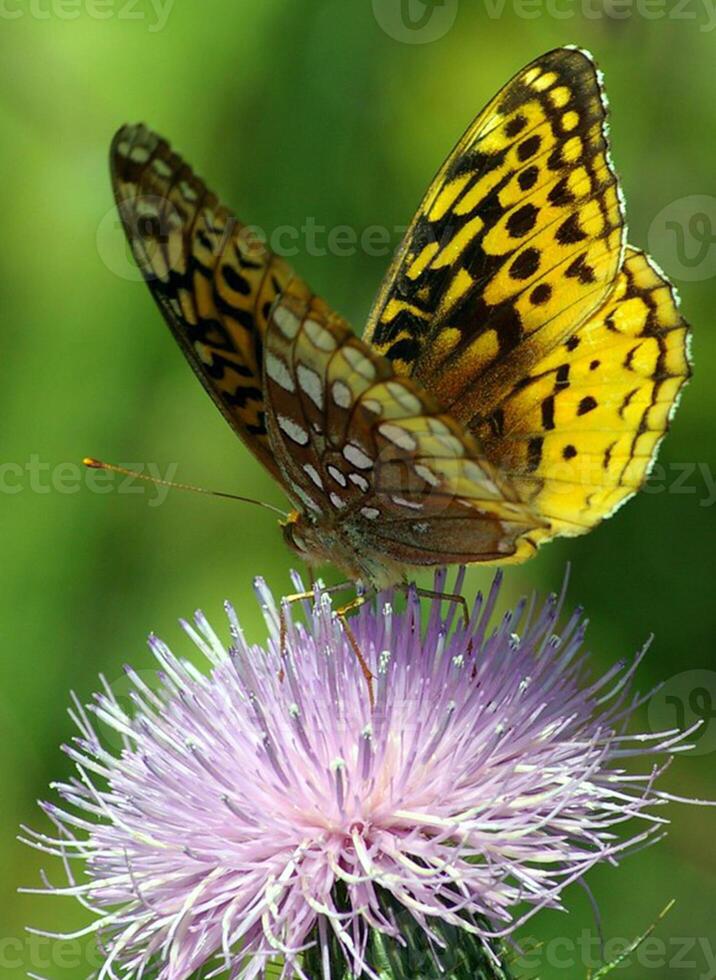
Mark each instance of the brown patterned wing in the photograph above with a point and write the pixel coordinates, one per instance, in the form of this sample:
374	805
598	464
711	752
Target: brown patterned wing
212	279
372	454
519	238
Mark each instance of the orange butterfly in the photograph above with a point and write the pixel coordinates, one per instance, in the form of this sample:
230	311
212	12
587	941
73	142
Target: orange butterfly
518	369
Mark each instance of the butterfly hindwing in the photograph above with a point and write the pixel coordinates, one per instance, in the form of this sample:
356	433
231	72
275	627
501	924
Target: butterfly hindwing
578	434
212	279
518	239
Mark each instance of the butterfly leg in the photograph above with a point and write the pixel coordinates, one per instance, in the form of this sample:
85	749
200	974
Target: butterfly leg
455	597
289	600
342	615
283	626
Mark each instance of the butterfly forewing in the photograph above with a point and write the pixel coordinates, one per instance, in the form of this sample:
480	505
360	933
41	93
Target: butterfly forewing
518	239
512	302
212	279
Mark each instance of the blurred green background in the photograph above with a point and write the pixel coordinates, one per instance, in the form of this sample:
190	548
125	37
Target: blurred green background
338	113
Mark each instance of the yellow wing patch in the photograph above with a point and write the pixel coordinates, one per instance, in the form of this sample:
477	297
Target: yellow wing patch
519	238
578	434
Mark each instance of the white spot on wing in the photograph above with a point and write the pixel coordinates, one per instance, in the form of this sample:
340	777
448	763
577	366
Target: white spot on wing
438	427
310	383
337	501
370	512
139	154
319	336
278	372
286	321
406	399
451	444
359	363
425	473
372	405
314	475
354	454
337	475
476	474
146	209
398	436
402	502
161	168
304	498
293	430
341	394
360	481
188	192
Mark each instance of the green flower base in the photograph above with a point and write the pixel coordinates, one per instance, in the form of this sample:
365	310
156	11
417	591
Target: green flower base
462	957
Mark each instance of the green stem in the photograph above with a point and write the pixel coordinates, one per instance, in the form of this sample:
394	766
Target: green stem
460	957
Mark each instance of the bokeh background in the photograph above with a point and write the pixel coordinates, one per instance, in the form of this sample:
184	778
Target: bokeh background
336	113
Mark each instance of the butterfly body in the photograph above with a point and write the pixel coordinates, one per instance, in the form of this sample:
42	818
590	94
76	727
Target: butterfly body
518	369
340	545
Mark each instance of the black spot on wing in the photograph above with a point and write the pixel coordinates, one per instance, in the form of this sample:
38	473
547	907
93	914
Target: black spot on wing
525	264
587	404
534	453
522	221
528	178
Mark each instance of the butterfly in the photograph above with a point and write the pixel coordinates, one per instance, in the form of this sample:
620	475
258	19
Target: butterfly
519	367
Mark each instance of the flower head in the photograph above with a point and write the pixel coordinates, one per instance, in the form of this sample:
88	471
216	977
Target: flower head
267	806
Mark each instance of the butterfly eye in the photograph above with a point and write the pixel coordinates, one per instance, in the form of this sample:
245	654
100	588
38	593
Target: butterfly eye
293	537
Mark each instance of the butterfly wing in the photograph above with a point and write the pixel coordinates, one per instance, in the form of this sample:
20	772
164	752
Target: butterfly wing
371	455
212	279
519	237
514	301
579	432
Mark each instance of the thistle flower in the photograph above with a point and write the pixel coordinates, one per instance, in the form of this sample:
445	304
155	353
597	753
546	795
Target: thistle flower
267	810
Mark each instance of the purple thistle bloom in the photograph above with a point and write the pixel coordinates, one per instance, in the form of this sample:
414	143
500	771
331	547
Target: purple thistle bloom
266	807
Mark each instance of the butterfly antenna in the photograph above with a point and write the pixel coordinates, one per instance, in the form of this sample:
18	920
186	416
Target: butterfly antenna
98	464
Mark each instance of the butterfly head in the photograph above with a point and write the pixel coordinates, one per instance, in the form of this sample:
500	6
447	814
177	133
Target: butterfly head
292	535
314	542
318	542
321	542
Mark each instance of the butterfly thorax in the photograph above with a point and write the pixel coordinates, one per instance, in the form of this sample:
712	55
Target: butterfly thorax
321	542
